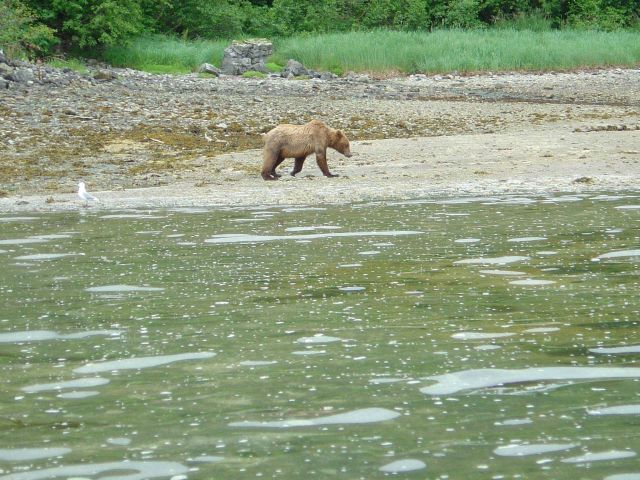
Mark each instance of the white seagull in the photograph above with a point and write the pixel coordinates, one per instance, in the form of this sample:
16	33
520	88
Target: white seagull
84	195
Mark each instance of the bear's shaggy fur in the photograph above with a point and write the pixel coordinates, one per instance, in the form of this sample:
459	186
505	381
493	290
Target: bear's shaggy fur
300	141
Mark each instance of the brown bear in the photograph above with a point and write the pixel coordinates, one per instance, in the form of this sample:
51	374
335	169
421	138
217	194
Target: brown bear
300	141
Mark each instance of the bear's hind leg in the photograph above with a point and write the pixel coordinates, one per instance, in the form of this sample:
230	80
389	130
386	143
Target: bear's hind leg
297	166
269	166
278	162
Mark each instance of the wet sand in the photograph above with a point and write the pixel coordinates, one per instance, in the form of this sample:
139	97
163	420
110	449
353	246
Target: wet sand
538	160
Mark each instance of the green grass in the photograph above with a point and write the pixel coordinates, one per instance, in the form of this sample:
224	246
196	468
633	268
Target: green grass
504	48
461	50
162	54
254	74
72	63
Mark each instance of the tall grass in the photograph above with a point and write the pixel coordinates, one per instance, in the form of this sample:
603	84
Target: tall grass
162	54
384	51
462	50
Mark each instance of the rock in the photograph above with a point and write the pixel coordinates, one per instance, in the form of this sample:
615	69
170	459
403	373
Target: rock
105	75
240	57
294	68
3	59
22	75
5	70
3	84
208	68
327	76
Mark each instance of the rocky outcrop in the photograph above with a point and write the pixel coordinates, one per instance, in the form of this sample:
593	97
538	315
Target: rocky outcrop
249	55
17	72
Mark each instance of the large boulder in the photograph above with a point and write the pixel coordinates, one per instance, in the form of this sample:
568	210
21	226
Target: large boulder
293	68
240	57
22	75
210	69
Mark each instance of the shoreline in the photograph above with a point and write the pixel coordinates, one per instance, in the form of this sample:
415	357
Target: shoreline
529	162
146	141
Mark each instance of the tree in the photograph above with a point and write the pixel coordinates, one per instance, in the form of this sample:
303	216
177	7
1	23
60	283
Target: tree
21	33
91	23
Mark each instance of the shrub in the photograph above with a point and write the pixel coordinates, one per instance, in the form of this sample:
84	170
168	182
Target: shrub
21	33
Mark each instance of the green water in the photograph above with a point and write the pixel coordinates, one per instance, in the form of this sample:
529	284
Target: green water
480	338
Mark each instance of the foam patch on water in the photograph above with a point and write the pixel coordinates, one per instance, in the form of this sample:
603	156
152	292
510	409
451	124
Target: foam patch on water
617	410
614	350
386	380
141	471
206	459
312	228
628	207
526	239
363	415
137	363
618	254
122	289
531	282
23	241
523	450
467	240
119	441
248	238
17	219
257	363
480	335
78	383
455	382
405	465
42	335
514	422
624	476
130	215
309	352
542	330
351	289
492	260
27	454
600	456
78	395
318	338
487	348
38	257
502	272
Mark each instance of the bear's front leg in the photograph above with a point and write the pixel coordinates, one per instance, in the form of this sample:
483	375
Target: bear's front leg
321	160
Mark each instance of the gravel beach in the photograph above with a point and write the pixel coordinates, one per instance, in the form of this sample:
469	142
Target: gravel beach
145	141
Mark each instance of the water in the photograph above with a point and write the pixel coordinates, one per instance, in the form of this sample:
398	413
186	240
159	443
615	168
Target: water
486	338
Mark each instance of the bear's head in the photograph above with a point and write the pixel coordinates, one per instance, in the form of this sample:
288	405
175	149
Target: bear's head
340	142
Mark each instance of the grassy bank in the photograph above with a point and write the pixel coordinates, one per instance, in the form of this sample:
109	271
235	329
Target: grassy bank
462	50
385	51
162	54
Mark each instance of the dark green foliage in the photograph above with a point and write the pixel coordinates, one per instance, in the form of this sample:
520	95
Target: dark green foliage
21	33
98	23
